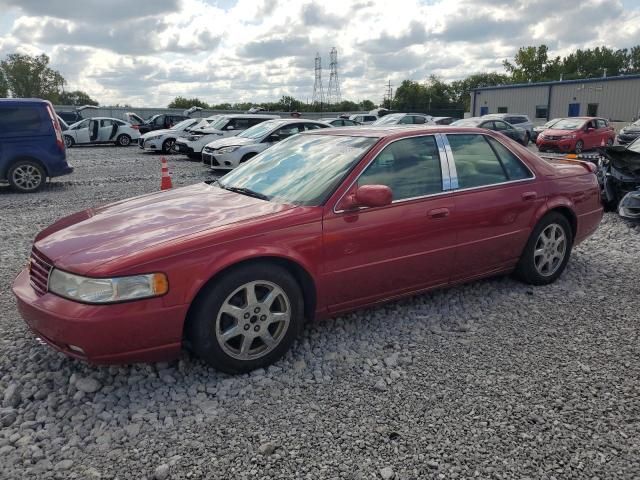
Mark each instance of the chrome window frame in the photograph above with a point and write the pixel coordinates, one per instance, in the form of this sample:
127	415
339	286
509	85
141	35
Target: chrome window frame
454	174
445	169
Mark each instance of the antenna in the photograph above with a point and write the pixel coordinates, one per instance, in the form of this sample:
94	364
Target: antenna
318	91
333	93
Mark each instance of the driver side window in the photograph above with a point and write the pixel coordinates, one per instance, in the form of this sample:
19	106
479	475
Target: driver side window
409	167
82	124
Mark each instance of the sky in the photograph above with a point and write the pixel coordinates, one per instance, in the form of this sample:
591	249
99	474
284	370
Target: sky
144	53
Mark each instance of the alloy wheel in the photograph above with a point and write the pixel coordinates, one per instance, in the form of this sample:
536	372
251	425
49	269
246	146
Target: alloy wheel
550	250
26	177
253	320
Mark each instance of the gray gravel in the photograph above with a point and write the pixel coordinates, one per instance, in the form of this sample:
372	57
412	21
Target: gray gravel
493	379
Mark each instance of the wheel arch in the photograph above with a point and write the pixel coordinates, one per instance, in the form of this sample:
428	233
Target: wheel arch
19	158
300	274
569	214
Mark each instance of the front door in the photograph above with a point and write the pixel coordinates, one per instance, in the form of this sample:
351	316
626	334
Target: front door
574	110
372	254
495	202
82	132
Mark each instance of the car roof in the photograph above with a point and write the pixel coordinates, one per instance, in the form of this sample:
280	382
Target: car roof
394	131
23	100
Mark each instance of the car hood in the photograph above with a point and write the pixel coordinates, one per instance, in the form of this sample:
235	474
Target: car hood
553	131
88	239
229	141
153	133
631	129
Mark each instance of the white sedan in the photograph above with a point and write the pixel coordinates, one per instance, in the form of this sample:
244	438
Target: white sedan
163	140
228	153
100	130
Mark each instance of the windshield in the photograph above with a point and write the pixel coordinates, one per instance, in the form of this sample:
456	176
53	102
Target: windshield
219	123
302	170
183	124
636	123
389	119
551	123
466	122
568	124
259	130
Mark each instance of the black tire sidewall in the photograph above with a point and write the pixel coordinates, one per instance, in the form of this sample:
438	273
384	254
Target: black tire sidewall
526	269
200	326
167	145
43	175
70	143
119	140
579	150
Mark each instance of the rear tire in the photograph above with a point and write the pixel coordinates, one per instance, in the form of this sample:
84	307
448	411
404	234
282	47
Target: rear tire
123	140
26	176
236	332
547	251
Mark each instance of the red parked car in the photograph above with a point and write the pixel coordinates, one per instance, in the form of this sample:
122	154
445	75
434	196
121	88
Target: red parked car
317	225
576	134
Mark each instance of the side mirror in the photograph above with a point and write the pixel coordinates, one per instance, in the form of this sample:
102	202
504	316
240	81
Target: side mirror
368	196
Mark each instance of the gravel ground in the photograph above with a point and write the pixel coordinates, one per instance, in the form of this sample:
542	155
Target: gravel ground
494	379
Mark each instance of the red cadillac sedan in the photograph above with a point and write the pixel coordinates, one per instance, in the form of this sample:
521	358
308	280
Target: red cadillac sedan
322	223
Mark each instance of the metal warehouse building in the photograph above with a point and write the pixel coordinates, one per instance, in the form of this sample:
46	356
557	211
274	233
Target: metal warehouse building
615	98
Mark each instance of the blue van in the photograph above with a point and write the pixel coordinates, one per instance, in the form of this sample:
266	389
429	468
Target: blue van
31	144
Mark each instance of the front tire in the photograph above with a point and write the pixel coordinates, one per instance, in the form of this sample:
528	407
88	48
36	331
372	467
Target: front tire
167	145
26	176
68	141
579	146
246	319
123	140
547	251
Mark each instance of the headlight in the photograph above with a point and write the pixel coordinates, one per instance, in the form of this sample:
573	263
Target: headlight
567	137
193	138
228	149
107	290
155	137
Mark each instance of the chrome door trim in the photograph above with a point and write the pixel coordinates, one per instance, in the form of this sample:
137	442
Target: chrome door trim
452	164
445	173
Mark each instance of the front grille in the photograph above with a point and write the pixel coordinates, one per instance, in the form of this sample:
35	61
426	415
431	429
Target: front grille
39	269
551	137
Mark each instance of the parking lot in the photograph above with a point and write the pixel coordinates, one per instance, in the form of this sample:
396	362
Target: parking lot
493	379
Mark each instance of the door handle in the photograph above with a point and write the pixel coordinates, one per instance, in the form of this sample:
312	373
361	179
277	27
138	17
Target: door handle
438	213
529	195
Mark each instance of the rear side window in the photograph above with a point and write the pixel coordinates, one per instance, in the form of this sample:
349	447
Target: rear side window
513	165
409	167
20	119
476	163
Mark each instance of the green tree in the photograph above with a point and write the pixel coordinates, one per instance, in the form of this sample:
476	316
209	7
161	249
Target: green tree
183	102
77	98
461	89
367	105
4	86
30	76
531	64
410	96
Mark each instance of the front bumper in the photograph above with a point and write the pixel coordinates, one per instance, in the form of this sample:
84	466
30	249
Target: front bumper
66	170
139	331
181	147
624	139
567	145
218	162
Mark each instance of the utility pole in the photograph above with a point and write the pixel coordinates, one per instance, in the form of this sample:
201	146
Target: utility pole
333	93
318	91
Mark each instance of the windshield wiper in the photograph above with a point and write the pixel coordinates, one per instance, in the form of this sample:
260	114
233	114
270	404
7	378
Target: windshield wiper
244	191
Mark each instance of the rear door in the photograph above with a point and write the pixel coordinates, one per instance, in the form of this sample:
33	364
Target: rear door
105	130
495	201
591	135
376	253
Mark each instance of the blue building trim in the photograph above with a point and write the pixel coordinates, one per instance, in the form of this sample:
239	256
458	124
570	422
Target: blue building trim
559	82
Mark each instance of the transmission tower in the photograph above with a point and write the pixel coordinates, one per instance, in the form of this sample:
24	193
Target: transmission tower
388	95
318	91
333	93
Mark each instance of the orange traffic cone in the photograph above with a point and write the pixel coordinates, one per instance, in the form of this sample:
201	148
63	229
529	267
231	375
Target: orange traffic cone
165	184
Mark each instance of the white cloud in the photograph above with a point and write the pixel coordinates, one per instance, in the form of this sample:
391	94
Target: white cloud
224	51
